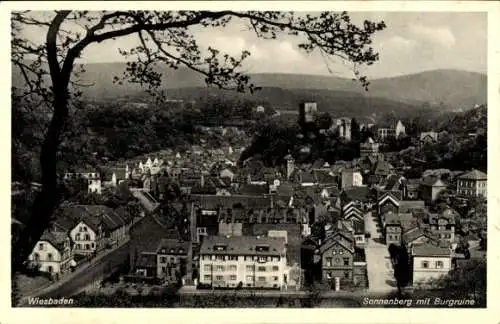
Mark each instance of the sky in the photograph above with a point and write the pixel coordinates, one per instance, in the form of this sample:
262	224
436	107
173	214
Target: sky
411	43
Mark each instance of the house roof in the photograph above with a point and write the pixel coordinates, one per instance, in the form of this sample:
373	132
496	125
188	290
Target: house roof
285	189
243	245
416	232
474	175
324	177
331	241
406	206
147	260
357	193
432	181
427	250
253	189
212	202
391	219
172	246
109	218
407	221
55	238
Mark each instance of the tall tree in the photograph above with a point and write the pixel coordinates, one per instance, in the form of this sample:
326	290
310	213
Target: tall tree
164	37
355	131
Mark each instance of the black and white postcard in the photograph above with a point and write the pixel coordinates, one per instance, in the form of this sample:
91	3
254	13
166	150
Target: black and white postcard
250	155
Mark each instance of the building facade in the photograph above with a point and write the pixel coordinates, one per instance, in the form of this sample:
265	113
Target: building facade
244	261
472	184
52	253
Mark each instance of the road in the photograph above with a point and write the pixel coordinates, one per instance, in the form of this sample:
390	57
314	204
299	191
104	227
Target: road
86	274
380	277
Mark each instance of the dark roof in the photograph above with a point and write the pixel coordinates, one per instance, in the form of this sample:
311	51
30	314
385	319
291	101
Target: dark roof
55	238
253	189
172	246
359	227
406	206
109	218
430	250
147	260
243	245
324	177
415	232
212	202
285	189
359	255
474	175
432	181
357	193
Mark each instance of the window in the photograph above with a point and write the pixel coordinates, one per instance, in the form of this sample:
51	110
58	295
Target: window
346	274
87	237
439	264
232	277
49	269
87	246
346	261
220	268
262	279
276	268
40	246
206	277
36	256
219	278
425	264
275	278
49	257
341	251
219	257
334	252
233	258
249	278
329	275
232	267
78	246
207	267
328	262
249	268
77	237
262	259
261	269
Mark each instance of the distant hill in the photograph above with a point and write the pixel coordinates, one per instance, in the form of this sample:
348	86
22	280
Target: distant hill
452	89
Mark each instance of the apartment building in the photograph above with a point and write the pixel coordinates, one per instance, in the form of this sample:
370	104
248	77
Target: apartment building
245	261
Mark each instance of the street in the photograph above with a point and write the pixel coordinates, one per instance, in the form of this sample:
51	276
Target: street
380	278
86	274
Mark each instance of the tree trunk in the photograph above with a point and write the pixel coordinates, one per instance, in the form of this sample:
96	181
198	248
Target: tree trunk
46	201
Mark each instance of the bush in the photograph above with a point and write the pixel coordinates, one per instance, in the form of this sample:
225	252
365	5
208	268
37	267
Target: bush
368	235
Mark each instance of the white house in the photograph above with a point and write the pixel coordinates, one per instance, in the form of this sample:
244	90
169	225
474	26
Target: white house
248	261
52	253
430	262
87	237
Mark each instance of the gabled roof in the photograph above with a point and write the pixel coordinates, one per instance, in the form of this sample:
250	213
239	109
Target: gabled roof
109	218
331	241
474	175
55	238
253	189
415	233
388	197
